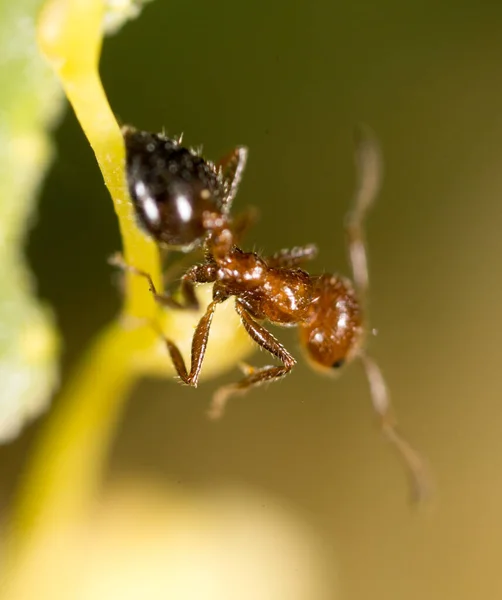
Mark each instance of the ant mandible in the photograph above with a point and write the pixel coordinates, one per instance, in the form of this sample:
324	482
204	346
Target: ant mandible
184	201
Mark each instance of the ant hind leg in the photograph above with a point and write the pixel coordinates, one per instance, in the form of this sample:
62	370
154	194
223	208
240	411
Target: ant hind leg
381	403
369	176
253	376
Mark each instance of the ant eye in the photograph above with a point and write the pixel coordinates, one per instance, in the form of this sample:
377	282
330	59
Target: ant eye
337	364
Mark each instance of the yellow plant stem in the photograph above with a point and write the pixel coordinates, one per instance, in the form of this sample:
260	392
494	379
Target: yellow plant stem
59	485
66	465
70	36
62	477
63	473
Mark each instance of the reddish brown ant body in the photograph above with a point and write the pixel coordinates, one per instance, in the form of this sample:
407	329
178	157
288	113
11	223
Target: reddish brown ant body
326	309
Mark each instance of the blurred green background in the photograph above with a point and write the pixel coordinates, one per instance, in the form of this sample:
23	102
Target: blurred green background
290	80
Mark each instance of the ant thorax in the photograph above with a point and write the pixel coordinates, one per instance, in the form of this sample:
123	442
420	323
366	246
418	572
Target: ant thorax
172	188
279	295
333	331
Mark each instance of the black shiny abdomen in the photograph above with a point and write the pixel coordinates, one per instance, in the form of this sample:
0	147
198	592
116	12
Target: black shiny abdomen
171	187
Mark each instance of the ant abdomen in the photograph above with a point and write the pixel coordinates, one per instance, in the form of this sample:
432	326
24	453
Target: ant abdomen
333	330
171	187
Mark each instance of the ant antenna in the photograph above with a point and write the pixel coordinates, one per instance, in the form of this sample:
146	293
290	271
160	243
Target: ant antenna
369	176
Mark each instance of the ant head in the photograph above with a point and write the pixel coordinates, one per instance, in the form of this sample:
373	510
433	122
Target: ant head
172	188
333	331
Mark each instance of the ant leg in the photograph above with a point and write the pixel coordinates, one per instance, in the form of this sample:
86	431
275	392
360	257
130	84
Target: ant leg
254	376
232	168
199	345
291	258
369	175
117	260
204	273
176	358
381	403
197	274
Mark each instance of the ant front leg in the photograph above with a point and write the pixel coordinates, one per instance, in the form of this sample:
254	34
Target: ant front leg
254	376
293	257
196	274
204	273
117	260
199	346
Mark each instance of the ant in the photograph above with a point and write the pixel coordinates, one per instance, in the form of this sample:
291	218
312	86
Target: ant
184	201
